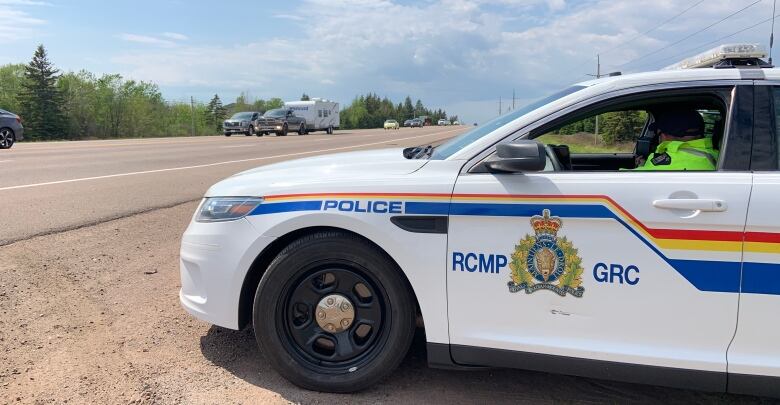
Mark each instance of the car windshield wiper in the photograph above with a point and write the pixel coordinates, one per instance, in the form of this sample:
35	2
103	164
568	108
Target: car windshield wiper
418	152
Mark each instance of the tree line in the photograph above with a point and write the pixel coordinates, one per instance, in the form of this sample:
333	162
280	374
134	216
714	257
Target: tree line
371	111
614	127
82	105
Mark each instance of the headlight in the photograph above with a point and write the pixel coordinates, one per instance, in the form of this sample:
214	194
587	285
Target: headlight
217	209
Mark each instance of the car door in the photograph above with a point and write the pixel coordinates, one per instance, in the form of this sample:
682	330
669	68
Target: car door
754	356
553	270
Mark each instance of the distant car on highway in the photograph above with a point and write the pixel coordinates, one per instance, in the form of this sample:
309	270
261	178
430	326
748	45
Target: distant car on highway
408	123
280	121
456	123
391	124
443	122
244	122
416	123
11	129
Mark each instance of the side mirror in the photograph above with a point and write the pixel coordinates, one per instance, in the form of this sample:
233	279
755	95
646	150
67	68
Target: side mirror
519	156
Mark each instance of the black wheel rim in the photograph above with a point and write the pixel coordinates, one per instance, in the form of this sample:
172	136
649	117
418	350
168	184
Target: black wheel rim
326	351
5	138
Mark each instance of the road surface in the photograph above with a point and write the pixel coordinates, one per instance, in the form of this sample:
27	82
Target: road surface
56	186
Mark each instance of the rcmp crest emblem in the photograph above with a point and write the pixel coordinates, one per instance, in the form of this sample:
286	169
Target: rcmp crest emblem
544	261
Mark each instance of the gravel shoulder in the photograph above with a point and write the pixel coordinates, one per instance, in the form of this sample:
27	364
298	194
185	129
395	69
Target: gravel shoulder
92	315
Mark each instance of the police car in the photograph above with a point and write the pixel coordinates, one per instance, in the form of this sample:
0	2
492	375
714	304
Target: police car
514	249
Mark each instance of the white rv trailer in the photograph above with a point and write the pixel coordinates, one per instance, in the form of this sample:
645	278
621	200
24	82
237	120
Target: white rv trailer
320	114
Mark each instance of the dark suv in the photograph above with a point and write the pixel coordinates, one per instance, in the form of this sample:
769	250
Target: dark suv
280	121
244	122
11	129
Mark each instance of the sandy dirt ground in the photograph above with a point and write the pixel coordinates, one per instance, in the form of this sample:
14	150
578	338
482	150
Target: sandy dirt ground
92	316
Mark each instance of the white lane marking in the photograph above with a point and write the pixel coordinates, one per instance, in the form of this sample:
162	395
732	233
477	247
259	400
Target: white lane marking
7	160
171	169
235	146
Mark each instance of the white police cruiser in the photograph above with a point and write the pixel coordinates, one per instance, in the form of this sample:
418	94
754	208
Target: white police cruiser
515	249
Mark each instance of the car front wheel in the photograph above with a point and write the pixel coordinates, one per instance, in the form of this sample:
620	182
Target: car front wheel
333	314
7	138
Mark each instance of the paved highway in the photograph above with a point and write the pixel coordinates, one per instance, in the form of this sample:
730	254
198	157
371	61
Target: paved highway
56	186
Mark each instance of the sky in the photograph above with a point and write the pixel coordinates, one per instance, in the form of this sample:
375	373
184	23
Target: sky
460	55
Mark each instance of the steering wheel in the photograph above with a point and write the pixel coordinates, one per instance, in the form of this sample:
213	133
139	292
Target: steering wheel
553	163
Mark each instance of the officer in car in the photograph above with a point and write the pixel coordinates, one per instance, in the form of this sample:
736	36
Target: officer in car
682	145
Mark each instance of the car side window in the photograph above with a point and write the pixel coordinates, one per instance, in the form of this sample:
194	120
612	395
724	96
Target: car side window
611	132
641	132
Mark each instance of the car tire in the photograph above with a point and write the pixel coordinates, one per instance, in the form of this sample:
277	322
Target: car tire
330	130
309	271
284	130
302	130
7	138
250	131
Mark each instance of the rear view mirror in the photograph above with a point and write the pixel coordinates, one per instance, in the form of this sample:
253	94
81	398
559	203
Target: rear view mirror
519	156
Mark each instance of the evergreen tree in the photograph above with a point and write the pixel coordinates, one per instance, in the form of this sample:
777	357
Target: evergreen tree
419	109
216	112
305	97
408	109
40	99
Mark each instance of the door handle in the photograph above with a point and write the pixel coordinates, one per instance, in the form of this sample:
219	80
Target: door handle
691	204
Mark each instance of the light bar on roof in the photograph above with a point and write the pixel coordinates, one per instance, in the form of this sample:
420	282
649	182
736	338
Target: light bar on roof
711	57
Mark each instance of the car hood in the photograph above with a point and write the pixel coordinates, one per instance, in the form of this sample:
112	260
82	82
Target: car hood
305	174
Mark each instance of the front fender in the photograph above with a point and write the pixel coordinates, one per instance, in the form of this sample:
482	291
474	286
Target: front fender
420	256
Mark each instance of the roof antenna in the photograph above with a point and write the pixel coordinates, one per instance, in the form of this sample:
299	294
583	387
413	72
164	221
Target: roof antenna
772	35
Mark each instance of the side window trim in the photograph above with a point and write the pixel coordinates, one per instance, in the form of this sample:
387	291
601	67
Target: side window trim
525	131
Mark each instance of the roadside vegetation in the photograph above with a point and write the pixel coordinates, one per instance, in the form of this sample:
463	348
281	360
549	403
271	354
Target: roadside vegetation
83	105
617	132
371	111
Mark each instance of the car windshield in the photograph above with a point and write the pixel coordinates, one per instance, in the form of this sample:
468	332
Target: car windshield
241	116
275	113
390	122
454	145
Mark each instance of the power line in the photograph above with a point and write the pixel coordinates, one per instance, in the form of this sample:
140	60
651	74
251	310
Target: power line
654	28
691	35
689	51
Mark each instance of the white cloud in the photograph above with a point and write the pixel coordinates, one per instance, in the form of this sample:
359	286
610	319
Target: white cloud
175	36
23	3
289	17
146	39
16	24
459	53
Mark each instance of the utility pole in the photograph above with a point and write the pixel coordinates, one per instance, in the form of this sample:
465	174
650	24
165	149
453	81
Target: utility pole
772	34
513	99
192	115
598	76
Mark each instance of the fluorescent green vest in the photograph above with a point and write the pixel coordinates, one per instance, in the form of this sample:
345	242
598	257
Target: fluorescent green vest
691	155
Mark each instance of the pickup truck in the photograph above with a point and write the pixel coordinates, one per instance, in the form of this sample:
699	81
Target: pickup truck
280	121
244	122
